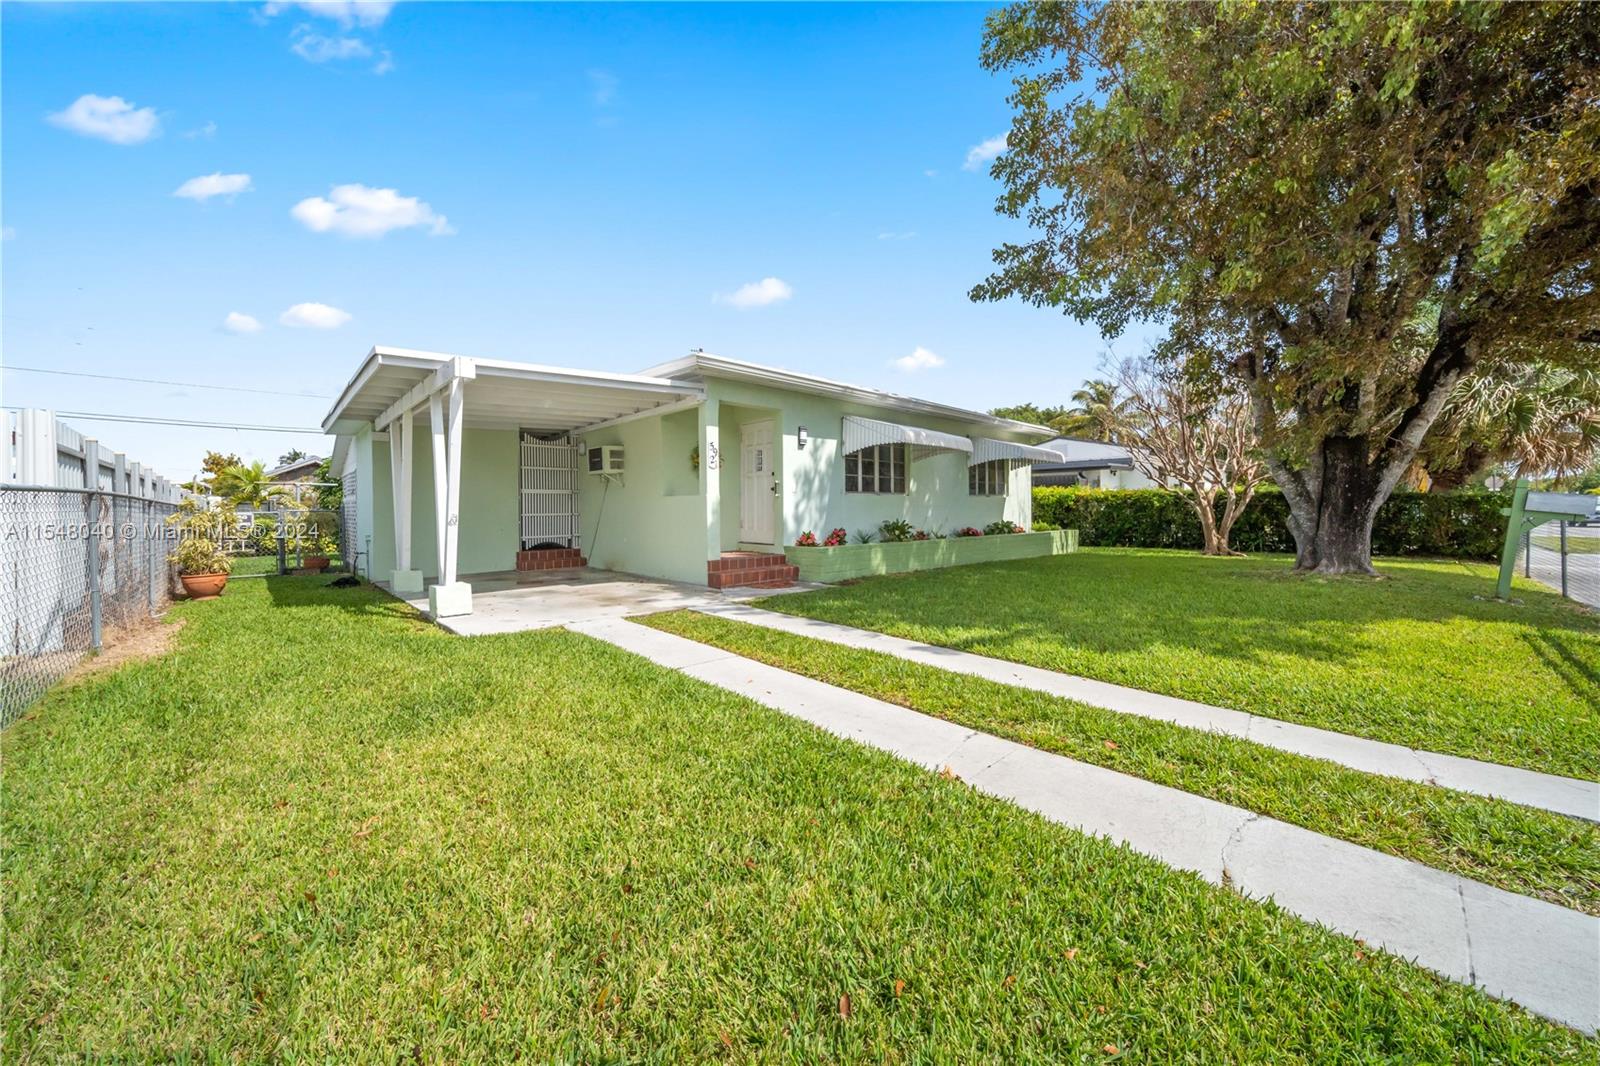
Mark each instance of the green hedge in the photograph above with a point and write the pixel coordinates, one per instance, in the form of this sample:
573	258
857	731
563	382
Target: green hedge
1462	525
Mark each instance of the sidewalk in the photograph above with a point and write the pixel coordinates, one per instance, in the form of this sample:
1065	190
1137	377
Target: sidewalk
1563	795
1545	957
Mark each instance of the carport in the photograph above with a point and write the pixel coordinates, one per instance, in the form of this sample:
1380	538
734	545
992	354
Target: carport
399	391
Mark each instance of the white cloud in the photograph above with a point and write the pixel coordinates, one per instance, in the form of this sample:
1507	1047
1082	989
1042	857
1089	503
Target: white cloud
110	118
314	316
242	323
603	84
756	293
891	235
384	64
207	131
919	359
361	211
347	13
984	151
208	185
930	173
315	48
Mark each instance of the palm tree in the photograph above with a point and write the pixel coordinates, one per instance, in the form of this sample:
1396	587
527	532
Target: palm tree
249	487
1538	418
1097	410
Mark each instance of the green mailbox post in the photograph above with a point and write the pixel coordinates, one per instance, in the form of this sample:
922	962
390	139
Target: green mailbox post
1530	509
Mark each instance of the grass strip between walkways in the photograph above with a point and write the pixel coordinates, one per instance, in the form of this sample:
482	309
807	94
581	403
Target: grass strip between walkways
1523	850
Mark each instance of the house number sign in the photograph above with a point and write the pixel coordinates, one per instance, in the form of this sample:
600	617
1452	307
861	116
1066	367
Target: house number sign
713	457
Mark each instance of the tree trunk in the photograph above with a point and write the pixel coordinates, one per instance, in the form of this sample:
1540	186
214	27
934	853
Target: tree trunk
1333	524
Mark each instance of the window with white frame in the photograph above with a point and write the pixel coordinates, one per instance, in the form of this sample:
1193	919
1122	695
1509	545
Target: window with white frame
988	478
879	469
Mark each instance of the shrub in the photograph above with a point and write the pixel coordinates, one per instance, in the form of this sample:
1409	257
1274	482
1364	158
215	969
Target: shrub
895	530
201	555
835	539
968	531
1462	525
807	539
1001	528
862	536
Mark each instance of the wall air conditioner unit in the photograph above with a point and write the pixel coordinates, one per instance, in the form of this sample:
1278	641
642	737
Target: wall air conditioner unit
605	459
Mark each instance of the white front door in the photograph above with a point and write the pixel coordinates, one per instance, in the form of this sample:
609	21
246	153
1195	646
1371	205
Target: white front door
757	479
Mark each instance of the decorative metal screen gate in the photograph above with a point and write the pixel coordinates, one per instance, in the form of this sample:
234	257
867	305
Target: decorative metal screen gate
549	492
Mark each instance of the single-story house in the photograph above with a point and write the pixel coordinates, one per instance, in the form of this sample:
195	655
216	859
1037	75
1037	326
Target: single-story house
689	470
303	469
1094	464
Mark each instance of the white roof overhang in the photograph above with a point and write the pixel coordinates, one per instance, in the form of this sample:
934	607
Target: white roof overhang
705	364
499	394
985	450
868	432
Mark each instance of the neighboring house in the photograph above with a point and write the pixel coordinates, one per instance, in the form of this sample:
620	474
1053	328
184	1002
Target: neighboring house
299	470
661	473
1093	464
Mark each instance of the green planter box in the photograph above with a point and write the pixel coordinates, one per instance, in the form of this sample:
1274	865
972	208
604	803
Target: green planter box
864	560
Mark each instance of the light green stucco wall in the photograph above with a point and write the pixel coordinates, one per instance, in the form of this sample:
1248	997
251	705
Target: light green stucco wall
489	503
663	518
863	560
651	520
813	496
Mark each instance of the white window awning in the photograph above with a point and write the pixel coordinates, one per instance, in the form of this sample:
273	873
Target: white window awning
869	432
985	450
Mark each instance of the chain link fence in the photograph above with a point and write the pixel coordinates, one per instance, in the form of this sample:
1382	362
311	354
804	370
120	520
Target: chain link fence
283	540
1565	556
75	564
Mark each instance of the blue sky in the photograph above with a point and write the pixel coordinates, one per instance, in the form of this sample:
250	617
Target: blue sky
583	185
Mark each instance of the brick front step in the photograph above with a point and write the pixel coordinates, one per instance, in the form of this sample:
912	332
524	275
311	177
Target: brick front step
745	561
550	559
757	569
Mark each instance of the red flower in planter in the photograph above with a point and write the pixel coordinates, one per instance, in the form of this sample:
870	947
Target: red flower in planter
969	531
836	538
807	539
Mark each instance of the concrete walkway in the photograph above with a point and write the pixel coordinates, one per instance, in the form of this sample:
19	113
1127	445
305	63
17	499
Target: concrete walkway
510	601
1563	795
1545	957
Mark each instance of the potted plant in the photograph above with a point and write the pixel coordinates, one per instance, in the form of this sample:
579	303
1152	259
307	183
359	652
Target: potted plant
203	565
318	547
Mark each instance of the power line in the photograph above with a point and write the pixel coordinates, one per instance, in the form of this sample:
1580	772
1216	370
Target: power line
91	416
157	381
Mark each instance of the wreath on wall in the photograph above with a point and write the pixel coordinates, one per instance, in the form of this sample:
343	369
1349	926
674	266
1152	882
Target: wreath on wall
694	458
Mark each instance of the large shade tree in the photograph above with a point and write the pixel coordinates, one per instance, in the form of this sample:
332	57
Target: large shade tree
1347	208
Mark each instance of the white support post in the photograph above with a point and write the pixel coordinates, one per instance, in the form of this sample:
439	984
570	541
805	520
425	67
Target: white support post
711	476
401	442
452	532
436	424
450	596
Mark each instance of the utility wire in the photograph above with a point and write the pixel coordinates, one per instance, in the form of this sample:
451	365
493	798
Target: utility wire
94	417
157	381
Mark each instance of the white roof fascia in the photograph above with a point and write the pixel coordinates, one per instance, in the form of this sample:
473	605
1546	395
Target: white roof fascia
719	366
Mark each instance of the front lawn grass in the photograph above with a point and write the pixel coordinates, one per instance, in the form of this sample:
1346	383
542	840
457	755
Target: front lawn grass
1423	656
1528	851
321	829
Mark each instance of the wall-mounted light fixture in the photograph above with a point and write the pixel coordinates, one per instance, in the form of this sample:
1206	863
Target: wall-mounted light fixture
800	438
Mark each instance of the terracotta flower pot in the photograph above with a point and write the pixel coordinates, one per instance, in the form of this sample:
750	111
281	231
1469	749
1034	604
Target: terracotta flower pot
203	586
315	562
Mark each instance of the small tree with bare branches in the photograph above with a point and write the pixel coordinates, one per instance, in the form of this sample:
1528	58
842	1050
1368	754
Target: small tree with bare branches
1196	437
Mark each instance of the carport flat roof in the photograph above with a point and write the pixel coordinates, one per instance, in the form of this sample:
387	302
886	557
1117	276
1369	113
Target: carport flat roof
505	394
512	395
